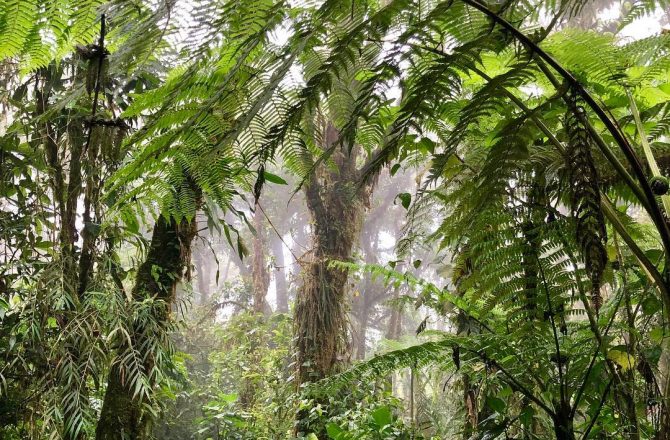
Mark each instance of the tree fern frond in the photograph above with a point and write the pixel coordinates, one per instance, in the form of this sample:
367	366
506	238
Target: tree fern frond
585	200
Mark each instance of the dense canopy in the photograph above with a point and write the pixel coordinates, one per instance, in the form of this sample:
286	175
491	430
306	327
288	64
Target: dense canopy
335	219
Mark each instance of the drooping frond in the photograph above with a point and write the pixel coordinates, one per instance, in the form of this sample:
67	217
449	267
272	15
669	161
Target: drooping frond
585	199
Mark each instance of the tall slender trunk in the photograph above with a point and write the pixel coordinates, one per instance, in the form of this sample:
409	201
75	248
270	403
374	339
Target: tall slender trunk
393	331
91	196
364	316
281	286
202	272
122	415
260	281
664	428
394	328
259	270
64	141
563	424
663	380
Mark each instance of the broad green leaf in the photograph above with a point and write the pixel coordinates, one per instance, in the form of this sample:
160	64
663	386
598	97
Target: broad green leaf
619	355
334	431
274	178
405	199
382	416
496	404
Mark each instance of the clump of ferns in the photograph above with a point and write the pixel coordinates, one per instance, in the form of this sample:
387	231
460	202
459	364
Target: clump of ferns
521	265
584	196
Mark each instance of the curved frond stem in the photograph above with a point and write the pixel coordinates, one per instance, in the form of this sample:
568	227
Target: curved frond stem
513	381
608	210
562	383
600	349
616	163
648	267
594	418
612	127
646	148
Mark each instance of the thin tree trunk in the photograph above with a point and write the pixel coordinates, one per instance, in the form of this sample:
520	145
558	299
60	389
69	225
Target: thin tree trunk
393	331
563	426
281	286
364	315
369	297
203	274
394	328
664	430
259	270
89	234
76	270
226	272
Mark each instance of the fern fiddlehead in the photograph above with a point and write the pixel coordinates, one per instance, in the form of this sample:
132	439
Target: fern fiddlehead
591	233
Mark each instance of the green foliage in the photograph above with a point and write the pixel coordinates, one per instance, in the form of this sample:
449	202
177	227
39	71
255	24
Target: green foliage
373	420
235	382
510	126
585	199
38	32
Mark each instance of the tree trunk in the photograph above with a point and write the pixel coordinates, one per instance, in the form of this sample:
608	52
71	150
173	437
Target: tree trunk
664	428
281	285
259	270
203	274
122	416
395	319
336	202
364	316
336	208
393	332
563	427
64	147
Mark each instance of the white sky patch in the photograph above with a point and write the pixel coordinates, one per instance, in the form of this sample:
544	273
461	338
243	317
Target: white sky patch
611	13
531	90
643	27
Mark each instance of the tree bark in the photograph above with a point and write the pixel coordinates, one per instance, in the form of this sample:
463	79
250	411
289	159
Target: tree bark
281	286
336	203
563	425
63	140
364	316
122	416
203	273
259	270
394	328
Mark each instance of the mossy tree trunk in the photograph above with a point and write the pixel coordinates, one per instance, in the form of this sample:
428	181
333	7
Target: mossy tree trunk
336	202
122	415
